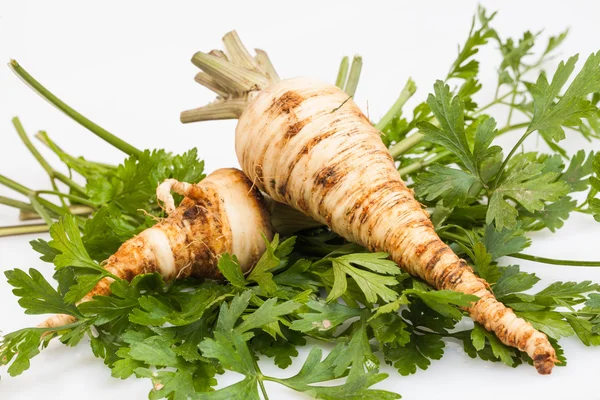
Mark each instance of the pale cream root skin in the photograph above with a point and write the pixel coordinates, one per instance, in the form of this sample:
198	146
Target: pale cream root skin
305	143
224	213
247	215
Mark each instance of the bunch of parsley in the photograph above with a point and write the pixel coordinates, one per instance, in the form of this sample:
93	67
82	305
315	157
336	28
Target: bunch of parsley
315	286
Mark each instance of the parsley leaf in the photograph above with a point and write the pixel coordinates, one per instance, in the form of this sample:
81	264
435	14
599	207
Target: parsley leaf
231	270
553	215
270	260
549	116
443	301
316	371
479	336
550	322
513	280
416	353
451	134
66	240
372	284
527	185
449	112
24	344
579	168
504	242
451	185
36	295
327	316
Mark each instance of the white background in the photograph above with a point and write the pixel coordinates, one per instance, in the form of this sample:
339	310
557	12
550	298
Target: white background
126	66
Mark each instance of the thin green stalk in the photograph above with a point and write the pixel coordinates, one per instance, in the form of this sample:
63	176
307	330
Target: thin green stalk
494	102
260	378
34	151
353	76
69	182
42	212
545	260
406	144
512	151
23	229
277	380
38	156
455	335
66	158
514	127
17	187
497	90
342	73
423	163
76	116
26	215
262	388
68	196
31	194
512	100
529	257
16	204
512	106
409	89
453	236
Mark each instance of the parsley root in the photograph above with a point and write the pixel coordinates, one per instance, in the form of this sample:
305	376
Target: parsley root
307	144
224	213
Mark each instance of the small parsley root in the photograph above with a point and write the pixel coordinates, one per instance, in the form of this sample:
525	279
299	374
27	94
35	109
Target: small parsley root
224	213
308	145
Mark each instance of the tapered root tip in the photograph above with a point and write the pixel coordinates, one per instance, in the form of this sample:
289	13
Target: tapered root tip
544	363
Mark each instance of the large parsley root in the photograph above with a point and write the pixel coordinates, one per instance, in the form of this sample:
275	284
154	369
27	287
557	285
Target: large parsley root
224	213
307	144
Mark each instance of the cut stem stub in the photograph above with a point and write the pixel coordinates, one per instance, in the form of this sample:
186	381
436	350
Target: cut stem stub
233	75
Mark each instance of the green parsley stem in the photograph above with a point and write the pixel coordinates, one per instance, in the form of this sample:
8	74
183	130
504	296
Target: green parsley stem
514	127
529	257
406	93
574	263
447	334
277	380
41	210
326	339
31	194
42	136
17	187
75	210
511	109
512	152
492	103
406	144
423	163
514	96
69	182
23	229
453	236
76	116
263	389
259	378
52	173
512	106
342	73
21	131
353	76
68	196
16	204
